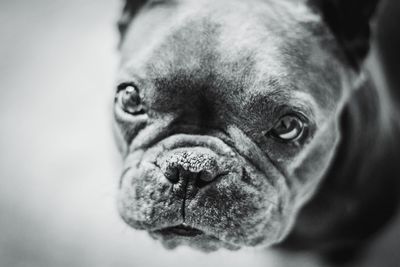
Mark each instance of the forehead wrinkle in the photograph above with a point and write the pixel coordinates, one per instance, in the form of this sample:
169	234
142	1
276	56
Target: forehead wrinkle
312	70
188	49
276	98
286	88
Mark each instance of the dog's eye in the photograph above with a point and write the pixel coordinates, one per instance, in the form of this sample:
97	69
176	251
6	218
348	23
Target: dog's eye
129	100
289	128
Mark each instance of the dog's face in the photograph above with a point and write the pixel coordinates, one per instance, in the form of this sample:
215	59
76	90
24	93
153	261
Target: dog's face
227	117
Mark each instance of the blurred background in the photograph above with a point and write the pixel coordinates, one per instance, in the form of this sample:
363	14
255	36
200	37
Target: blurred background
58	164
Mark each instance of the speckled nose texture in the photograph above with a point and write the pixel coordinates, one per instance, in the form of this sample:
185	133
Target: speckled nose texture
190	169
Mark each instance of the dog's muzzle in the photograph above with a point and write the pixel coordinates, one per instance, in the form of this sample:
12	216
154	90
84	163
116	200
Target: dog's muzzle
200	191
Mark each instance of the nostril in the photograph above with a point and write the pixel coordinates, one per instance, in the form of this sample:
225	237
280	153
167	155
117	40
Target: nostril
172	174
204	178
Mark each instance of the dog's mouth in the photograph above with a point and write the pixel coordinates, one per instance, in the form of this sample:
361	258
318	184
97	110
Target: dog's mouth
180	230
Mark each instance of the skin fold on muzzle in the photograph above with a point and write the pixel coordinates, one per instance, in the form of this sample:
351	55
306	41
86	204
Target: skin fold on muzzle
200	183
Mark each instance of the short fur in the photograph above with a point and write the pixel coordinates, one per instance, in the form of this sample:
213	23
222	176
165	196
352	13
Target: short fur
214	77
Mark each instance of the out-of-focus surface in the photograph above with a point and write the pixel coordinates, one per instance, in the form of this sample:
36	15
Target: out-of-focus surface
388	35
58	165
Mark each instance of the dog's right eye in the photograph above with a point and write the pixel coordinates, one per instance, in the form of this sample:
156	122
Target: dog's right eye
288	129
129	100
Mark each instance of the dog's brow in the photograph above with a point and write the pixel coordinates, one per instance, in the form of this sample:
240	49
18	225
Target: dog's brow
297	100
303	97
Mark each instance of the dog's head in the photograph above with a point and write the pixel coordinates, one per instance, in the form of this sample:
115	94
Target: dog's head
227	113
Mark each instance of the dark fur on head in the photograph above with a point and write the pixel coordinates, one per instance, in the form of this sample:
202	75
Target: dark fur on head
208	90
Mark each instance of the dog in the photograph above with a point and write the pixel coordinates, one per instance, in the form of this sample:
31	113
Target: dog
254	123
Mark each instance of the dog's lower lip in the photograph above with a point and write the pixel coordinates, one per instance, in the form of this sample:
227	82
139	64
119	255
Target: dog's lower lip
181	230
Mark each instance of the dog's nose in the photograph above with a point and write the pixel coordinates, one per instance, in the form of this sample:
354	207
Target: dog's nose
190	169
178	174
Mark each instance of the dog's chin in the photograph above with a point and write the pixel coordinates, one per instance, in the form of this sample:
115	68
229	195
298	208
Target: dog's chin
181	235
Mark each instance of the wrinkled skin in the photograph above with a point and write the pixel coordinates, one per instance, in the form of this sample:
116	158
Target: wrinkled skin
215	77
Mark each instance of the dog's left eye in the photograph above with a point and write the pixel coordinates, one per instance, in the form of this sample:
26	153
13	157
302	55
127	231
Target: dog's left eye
288	129
129	100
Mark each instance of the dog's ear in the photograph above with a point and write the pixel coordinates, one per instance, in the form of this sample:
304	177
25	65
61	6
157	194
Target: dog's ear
130	7
349	20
